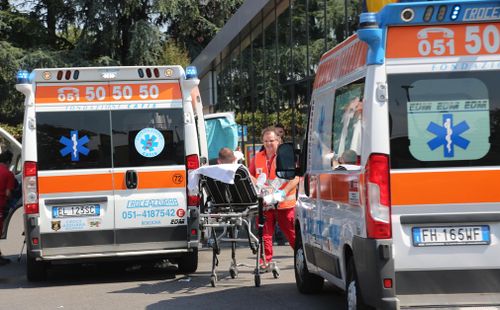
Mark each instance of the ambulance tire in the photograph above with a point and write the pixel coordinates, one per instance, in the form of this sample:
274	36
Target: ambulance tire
188	263
307	283
35	270
353	299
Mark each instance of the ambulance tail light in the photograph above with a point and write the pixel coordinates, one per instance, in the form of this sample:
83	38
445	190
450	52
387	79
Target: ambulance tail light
378	201
192	163
30	188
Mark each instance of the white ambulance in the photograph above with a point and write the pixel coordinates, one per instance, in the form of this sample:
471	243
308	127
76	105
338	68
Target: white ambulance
106	152
399	200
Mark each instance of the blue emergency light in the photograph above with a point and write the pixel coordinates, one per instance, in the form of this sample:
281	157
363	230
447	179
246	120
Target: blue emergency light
22	77
455	12
191	72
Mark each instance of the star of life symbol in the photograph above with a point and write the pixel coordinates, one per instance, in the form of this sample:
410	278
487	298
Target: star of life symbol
149	143
448	135
74	145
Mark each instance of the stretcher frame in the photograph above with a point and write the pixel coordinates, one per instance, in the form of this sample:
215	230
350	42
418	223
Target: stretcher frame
231	207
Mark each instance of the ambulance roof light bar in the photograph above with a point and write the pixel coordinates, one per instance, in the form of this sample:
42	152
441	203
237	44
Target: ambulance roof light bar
191	72
455	12
411	12
370	33
22	77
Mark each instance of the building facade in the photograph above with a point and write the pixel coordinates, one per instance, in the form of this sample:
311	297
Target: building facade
262	64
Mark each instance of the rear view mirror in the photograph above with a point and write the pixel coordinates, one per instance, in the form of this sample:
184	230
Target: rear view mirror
285	162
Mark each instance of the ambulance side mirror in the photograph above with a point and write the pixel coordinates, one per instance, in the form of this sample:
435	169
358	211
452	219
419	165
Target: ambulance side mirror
286	162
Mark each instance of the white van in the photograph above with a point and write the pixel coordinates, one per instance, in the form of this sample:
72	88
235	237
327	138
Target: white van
9	143
106	151
399	203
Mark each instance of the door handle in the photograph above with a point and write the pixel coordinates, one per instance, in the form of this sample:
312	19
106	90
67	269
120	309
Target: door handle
131	179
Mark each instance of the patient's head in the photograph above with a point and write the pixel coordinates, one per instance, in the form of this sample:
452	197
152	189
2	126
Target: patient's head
226	156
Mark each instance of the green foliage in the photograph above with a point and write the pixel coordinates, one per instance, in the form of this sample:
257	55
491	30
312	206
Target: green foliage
143	35
257	121
174	53
15	131
11	103
72	33
195	22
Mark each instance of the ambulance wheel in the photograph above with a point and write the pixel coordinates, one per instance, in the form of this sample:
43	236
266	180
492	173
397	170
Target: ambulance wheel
307	283
189	262
35	270
353	294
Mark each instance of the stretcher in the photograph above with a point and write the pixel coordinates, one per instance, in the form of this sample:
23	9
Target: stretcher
229	209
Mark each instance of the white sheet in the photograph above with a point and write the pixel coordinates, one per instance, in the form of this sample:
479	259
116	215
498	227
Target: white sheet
222	172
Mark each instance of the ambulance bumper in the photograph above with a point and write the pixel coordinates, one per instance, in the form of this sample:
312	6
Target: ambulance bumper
94	256
374	261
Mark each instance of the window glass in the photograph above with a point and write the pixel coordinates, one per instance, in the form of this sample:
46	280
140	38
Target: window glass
444	119
321	132
73	140
347	124
148	137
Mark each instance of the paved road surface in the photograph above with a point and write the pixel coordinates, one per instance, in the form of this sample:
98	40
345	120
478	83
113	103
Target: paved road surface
126	287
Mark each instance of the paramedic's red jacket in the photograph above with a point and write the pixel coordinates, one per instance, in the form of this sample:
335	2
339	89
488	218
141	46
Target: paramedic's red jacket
260	165
7	182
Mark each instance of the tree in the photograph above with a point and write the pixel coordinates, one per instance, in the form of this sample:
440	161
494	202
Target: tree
174	53
11	106
195	22
64	33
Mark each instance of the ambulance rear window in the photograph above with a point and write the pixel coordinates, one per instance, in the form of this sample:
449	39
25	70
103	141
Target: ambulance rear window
91	139
148	137
73	140
444	119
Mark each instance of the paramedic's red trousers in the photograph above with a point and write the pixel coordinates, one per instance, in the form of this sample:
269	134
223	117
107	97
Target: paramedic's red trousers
285	218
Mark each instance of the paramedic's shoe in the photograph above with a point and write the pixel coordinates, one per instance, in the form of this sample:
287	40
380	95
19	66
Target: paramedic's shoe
264	268
4	261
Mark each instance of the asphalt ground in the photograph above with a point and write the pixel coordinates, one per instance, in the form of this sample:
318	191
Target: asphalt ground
149	286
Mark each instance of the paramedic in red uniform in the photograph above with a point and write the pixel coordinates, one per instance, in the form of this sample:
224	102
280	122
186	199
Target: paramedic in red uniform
265	162
7	184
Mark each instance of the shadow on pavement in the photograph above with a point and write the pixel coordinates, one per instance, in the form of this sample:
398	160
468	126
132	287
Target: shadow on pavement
275	296
13	275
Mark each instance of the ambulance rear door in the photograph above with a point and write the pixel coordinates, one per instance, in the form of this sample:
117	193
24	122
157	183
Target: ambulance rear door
445	147
148	142
73	156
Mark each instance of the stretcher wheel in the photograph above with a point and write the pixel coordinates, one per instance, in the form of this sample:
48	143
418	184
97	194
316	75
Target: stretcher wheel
213	280
233	273
275	270
276	273
257	280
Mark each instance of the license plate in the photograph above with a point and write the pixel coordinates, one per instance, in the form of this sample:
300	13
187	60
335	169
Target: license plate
76	211
451	235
